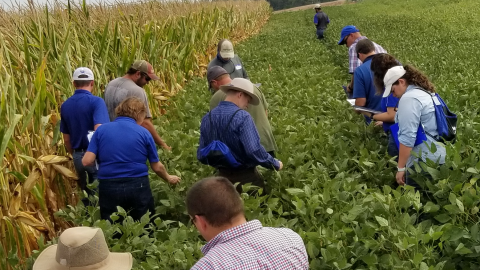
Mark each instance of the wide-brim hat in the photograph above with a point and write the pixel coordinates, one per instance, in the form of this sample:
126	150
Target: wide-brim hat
82	248
244	86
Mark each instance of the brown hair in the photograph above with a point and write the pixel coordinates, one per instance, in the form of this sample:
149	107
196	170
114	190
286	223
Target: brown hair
365	46
80	84
216	199
132	107
381	63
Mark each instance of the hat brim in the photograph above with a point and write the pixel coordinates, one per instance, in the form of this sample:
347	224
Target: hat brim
227	54
116	261
153	76
254	101
342	40
388	90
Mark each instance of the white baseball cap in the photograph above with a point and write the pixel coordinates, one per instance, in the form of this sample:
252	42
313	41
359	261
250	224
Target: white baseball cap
83	74
226	49
392	75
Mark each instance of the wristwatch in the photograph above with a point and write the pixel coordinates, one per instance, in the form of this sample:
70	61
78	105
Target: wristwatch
401	169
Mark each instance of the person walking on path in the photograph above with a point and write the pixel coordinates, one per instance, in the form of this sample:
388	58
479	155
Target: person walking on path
217	212
234	127
217	76
320	20
131	85
81	113
227	59
122	149
349	37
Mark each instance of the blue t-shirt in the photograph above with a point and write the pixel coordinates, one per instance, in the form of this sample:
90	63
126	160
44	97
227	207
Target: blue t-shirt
388	102
80	113
363	87
122	148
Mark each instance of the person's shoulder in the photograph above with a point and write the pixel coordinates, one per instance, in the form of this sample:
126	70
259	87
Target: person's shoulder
213	62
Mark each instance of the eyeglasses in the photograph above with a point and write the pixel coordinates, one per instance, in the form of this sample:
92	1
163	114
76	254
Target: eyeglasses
147	78
345	40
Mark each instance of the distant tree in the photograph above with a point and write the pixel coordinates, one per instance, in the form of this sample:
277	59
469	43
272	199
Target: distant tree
283	4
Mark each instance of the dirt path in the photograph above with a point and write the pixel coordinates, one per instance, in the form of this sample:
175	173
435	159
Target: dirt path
334	3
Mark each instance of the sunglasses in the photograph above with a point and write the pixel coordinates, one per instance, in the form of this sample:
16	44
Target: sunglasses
147	78
345	39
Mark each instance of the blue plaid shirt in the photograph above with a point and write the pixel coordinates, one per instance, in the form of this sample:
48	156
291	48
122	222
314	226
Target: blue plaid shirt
241	136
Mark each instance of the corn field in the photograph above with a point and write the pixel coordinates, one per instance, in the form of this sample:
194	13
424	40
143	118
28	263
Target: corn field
39	49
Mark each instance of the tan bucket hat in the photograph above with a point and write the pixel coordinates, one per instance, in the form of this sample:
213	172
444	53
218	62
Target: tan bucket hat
82	248
242	85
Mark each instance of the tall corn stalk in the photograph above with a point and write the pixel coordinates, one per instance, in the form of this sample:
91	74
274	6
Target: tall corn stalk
39	49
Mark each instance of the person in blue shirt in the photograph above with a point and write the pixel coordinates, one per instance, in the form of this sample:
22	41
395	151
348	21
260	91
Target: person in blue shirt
415	109
320	20
236	129
364	91
81	113
122	149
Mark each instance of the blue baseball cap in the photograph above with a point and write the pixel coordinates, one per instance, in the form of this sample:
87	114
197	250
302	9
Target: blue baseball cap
347	30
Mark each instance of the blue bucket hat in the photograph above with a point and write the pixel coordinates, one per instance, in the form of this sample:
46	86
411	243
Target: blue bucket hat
347	30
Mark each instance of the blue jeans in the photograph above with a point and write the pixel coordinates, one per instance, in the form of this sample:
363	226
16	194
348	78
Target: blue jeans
86	174
320	33
132	194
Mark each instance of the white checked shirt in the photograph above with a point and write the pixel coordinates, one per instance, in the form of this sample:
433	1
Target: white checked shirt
254	247
353	61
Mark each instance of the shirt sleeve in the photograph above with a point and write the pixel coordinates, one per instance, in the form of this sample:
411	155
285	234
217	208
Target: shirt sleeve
392	101
152	154
202	142
63	123
315	19
100	113
250	140
94	142
359	90
352	59
409	113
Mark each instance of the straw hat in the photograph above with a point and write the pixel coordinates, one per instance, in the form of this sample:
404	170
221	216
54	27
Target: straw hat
244	86
82	248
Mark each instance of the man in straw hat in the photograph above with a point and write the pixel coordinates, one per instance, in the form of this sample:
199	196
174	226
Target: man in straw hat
131	84
234	127
227	59
82	248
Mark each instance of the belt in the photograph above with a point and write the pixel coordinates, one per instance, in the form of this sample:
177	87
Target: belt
80	150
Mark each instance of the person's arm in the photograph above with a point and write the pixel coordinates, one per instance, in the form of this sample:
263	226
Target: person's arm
100	114
404	154
89	158
68	144
147	123
360	102
315	19
249	138
350	85
388	116
359	93
160	170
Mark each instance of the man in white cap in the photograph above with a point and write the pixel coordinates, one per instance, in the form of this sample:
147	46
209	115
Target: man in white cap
82	248
227	59
320	20
81	113
230	124
131	84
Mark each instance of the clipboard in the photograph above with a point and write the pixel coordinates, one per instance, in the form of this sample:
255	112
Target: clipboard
364	109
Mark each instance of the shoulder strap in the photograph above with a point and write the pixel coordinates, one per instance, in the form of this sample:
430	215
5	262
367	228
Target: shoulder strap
213	130
229	121
435	108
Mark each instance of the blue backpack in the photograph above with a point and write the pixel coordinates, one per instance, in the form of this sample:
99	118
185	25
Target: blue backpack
446	120
217	154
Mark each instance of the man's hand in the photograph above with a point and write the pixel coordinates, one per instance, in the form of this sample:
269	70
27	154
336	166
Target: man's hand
166	147
400	177
378	123
173	179
281	165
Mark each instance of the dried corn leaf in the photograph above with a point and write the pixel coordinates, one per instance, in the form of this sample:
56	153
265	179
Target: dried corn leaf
159	97
30	220
15	200
32	178
65	171
53	159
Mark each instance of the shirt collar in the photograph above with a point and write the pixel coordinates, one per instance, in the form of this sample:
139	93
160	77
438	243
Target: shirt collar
358	39
125	119
368	58
231	234
410	87
82	91
227	103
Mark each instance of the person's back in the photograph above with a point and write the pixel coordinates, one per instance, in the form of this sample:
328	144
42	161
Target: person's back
259	115
123	147
322	20
120	89
252	246
364	88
